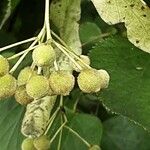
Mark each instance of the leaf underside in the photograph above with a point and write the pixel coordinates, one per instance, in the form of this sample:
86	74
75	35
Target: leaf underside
134	13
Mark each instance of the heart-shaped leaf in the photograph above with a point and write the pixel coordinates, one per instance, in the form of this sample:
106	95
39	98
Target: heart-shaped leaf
129	90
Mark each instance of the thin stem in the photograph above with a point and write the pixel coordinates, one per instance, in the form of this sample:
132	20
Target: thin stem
69	50
71	59
24	55
56	133
75	105
56	65
76	134
96	38
32	66
51	120
77	57
65	118
60	136
47	20
43	36
61	101
58	38
21	53
18	43
39	70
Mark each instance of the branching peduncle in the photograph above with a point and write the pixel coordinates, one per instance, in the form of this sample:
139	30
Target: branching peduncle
47	20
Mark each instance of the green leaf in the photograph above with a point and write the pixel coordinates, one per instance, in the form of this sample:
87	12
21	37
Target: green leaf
129	90
10	122
89	32
135	14
88	127
121	133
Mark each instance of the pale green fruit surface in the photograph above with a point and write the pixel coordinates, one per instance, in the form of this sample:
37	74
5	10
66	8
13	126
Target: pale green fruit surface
95	147
22	97
37	86
42	143
44	55
4	66
8	85
105	78
61	82
89	81
24	75
27	144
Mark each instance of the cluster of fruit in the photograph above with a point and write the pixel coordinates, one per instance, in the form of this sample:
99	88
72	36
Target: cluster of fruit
42	143
45	78
32	84
8	83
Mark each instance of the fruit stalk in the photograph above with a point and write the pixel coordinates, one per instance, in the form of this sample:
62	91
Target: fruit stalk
47	20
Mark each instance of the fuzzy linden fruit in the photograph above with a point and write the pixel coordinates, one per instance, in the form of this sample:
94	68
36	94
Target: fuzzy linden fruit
22	97
8	86
41	143
4	66
105	78
89	80
27	144
24	75
37	87
61	82
95	147
44	55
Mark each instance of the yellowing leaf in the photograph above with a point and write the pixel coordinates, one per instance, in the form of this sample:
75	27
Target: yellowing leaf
134	13
65	14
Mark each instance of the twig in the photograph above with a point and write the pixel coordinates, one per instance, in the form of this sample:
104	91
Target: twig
71	59
21	53
56	133
51	120
76	134
24	55
18	43
47	20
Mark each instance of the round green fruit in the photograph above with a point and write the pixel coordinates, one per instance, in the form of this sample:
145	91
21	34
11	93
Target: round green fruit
24	76
37	87
41	143
4	66
95	147
8	85
89	80
44	55
27	144
22	97
50	92
61	82
105	78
